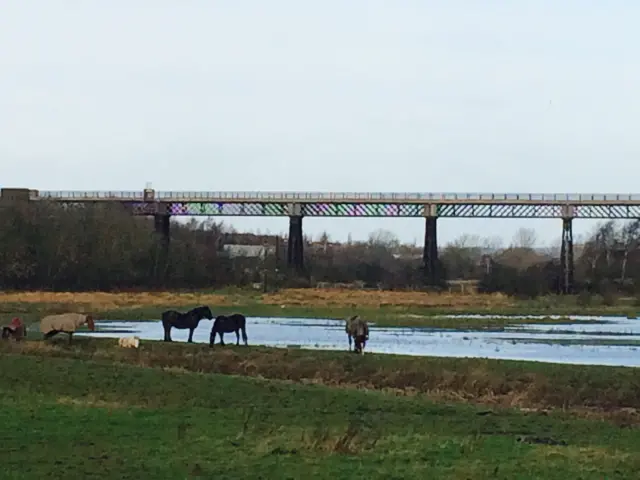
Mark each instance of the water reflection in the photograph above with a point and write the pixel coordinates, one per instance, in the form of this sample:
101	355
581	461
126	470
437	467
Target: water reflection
518	342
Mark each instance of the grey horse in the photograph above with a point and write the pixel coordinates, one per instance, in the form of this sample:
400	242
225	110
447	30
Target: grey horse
359	330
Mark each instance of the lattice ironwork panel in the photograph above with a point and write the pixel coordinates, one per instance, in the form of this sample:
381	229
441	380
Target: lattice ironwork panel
382	210
607	211
361	210
500	211
227	209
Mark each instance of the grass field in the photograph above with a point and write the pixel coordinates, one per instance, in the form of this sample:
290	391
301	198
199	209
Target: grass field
591	390
93	410
106	416
383	308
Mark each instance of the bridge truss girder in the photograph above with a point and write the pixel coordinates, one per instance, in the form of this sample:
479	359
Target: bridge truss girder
387	210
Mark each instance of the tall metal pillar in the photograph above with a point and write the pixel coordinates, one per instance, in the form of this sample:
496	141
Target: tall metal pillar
162	226
566	254
430	253
295	253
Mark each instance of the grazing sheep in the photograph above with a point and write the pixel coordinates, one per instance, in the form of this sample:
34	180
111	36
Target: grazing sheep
129	342
16	330
65	322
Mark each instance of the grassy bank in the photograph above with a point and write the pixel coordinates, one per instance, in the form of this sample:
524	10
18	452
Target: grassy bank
105	420
481	381
384	308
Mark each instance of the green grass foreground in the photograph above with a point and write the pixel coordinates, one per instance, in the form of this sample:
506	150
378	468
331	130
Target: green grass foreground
75	418
482	381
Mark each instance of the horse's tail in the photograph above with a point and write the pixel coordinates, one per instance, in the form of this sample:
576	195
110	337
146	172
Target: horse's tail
242	322
361	328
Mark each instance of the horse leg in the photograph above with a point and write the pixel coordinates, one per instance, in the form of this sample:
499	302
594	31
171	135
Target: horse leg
349	336
244	336
221	339
167	332
190	336
237	337
212	339
50	334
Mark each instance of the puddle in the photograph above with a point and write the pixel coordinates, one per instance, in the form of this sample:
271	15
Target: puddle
612	341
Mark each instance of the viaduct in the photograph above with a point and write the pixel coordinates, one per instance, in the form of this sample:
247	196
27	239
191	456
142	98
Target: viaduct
297	205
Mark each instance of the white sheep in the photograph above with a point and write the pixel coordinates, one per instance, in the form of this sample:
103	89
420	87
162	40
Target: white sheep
129	342
65	322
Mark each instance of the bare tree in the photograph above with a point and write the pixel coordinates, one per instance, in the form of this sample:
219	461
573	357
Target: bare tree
492	245
525	238
630	241
384	238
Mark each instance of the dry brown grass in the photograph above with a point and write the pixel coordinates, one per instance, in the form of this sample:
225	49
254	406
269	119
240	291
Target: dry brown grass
91	401
316	297
111	301
352	439
302	297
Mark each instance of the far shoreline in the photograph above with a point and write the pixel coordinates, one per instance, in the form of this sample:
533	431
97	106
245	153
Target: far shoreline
384	308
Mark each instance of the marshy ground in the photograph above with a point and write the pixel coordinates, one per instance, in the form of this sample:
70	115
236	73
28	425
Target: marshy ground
178	410
94	410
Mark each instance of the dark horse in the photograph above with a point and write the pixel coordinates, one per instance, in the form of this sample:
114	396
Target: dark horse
227	324
357	329
190	320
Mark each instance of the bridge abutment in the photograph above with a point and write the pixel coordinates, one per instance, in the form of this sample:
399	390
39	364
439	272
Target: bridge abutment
10	197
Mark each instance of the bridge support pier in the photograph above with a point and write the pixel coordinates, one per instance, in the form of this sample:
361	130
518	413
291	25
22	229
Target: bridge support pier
431	264
295	253
162	227
162	224
566	257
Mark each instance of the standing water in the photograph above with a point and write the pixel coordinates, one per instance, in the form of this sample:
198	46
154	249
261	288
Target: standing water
612	341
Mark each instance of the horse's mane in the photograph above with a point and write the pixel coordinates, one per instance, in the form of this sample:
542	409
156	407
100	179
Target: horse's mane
198	308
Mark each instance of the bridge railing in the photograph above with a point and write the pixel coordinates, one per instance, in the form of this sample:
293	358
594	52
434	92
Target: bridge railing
341	196
89	195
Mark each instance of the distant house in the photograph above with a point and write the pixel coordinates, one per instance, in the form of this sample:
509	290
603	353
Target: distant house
407	256
249	251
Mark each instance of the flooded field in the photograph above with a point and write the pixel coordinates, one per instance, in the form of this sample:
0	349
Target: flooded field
611	341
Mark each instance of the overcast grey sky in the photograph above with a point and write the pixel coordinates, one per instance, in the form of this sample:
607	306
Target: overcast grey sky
421	96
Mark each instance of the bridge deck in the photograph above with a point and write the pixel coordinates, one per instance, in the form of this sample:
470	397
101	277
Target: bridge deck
346	197
352	204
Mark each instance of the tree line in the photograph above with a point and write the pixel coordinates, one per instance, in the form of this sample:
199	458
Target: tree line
104	247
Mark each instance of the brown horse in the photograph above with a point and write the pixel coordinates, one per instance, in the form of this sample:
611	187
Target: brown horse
16	330
359	330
